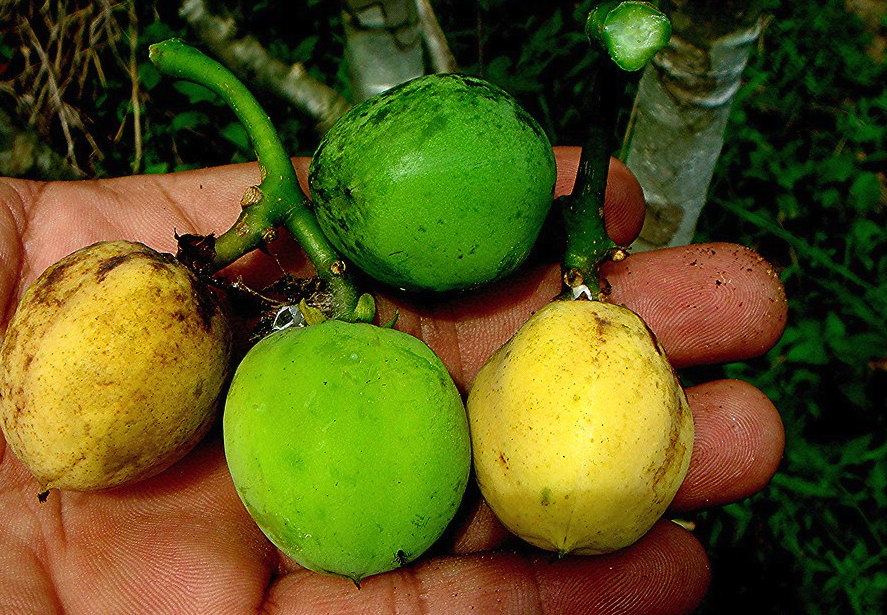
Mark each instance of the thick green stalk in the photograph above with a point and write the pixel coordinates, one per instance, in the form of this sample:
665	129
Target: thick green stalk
278	200
630	33
588	244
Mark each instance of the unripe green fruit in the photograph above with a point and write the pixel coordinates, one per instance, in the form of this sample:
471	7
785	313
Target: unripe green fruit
580	429
440	183
111	367
348	444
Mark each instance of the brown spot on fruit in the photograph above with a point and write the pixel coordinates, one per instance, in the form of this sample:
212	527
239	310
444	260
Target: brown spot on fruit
105	267
503	460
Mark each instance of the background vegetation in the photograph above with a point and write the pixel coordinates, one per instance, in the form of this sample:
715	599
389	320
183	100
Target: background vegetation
801	179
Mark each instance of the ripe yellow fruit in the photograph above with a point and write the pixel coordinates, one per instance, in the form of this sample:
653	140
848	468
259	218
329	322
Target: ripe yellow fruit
580	429
111	367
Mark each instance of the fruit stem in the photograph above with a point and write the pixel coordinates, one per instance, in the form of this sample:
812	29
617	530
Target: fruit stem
629	33
277	201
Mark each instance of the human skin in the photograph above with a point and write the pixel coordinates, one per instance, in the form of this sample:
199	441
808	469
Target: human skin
182	543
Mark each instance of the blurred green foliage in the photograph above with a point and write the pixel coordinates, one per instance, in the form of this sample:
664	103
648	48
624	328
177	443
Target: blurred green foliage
801	180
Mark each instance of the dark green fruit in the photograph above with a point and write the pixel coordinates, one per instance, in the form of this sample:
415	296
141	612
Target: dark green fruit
348	444
440	183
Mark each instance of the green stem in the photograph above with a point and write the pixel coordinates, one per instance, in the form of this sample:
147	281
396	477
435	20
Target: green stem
277	201
588	244
630	33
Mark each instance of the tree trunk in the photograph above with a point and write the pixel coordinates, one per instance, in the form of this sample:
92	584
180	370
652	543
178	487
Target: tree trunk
249	59
681	109
383	44
439	53
383	48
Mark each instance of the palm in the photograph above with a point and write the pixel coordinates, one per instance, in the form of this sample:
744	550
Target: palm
182	543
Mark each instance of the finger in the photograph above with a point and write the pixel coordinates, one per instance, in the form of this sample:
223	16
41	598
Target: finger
153	209
11	223
516	583
737	447
707	303
207	200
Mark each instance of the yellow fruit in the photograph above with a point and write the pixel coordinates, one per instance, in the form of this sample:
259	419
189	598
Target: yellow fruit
580	429
111	367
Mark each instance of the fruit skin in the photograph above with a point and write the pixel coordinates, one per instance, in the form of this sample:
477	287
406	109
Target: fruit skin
440	183
111	367
580	429
348	444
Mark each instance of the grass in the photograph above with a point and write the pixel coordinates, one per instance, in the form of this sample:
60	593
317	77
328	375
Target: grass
801	180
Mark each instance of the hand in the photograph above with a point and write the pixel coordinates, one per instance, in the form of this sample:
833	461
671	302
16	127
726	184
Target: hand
182	542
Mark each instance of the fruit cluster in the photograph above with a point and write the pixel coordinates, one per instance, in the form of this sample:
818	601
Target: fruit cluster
347	441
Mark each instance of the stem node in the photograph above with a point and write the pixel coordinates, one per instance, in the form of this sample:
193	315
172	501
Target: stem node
269	235
252	196
278	200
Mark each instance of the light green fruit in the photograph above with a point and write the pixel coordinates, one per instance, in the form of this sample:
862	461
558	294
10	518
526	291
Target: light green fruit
111	367
580	429
440	183
348	444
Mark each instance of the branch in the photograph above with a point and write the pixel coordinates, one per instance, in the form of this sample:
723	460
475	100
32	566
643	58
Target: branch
249	59
676	132
442	59
383	44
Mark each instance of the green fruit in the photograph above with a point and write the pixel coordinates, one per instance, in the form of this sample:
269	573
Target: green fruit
112	367
348	444
581	431
440	183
